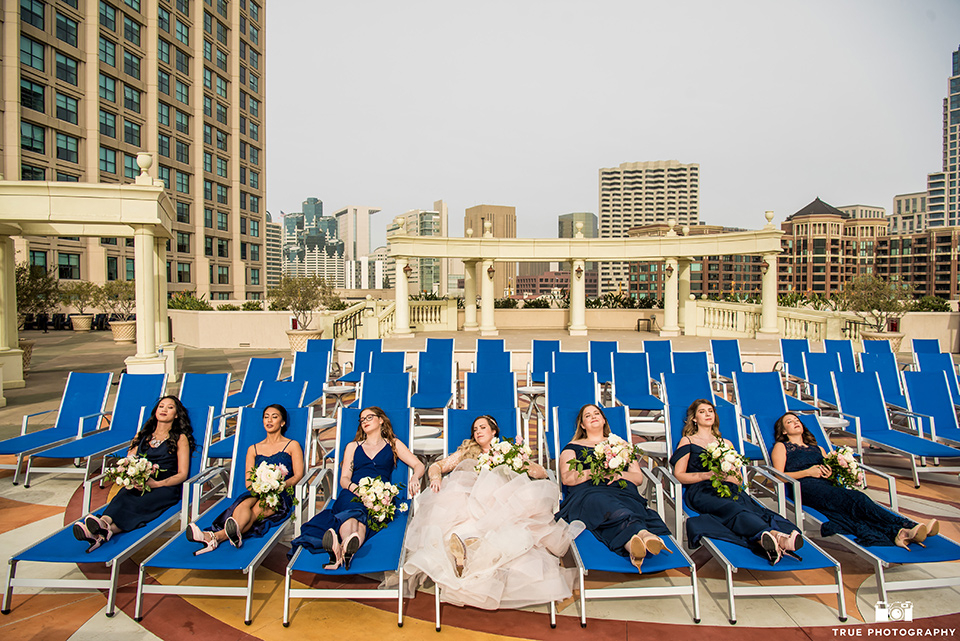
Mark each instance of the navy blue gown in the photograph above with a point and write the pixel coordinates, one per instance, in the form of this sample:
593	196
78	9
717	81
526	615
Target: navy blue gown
740	521
612	513
129	510
345	508
261	526
849	511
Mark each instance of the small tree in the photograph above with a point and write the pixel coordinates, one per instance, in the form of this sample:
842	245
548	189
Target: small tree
120	298
301	295
876	301
931	304
38	291
81	294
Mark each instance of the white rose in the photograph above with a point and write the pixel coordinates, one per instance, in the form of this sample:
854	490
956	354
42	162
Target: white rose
615	462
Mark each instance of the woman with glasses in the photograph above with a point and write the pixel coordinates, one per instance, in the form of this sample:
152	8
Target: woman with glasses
341	529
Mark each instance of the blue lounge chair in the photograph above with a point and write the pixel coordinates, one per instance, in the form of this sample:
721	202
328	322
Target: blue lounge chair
384	390
322	345
178	553
843	349
727	358
573	362
881	346
491	355
382	553
81	406
198	390
591	555
926	346
943	363
885	365
313	369
631	382
566	390
436	379
363	350
62	547
791	360
489	389
601	360
690	362
819	367
458	425
928	393
258	370
388	362
541	360
659	357
289	394
136	396
756	389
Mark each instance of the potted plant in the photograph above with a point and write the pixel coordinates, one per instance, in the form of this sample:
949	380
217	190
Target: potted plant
302	295
877	302
38	292
81	294
120	301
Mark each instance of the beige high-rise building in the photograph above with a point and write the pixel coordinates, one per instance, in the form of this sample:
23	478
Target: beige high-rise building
100	81
504	220
644	193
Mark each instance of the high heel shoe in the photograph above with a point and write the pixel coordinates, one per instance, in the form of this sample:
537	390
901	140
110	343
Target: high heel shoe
917	534
96	525
789	543
933	527
653	543
771	546
209	541
82	533
459	553
350	547
232	529
902	539
331	545
102	538
638	551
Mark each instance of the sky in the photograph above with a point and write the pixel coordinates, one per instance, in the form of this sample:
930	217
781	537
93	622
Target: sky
395	105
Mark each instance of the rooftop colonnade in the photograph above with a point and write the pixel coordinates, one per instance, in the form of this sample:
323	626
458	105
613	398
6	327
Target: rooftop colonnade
677	249
141	210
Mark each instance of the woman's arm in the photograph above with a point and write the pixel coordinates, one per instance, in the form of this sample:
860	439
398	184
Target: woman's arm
632	474
444	466
568	476
408	457
680	469
346	468
536	471
296	453
779	458
183	466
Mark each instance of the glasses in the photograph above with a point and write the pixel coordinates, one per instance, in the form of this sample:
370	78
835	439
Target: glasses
367	418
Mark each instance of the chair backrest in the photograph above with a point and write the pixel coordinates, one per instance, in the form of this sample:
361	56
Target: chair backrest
490	346
929	393
388	362
320	345
731	427
679	391
541	359
491	361
760	393
348	420
136	396
458	425
85	394
436	371
565	389
659	357
250	430
882	345
765	427
926	345
843	349
690	362
199	390
384	390
791	354
726	356
565	419
202	422
574	362
631	376
490	389
363	351
861	395
312	368
818	367
287	393
442	345
259	370
885	365
601	363
942	363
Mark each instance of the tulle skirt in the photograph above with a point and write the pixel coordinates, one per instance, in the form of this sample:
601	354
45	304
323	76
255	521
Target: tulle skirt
513	543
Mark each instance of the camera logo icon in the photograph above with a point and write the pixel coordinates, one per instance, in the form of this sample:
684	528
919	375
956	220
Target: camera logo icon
893	611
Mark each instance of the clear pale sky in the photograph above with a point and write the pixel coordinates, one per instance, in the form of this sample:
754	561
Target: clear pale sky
520	102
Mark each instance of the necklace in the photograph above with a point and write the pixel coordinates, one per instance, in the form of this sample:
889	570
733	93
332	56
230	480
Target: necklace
155	442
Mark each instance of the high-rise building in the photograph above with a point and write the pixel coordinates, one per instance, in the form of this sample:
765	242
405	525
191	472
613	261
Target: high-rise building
429	275
182	79
311	246
925	260
353	228
312	211
942	187
909	213
503	221
274	249
567	228
644	193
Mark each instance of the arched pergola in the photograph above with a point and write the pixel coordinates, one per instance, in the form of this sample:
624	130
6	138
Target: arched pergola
676	250
141	210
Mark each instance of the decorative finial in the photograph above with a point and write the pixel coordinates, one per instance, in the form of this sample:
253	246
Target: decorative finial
470	232
769	216
487	229
671	224
579	227
686	230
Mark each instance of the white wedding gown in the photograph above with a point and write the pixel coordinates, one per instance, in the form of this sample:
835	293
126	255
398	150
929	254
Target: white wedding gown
513	543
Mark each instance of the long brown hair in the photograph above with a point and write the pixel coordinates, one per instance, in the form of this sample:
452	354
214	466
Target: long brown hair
690	425
780	431
470	447
386	429
582	433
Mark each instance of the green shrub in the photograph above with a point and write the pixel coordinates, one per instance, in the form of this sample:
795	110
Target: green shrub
931	304
228	307
188	301
252	306
505	303
536	303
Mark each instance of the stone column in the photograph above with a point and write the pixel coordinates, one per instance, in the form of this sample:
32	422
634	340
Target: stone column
487	325
401	322
578	299
145	252
671	299
769	326
470	295
11	356
160	274
684	277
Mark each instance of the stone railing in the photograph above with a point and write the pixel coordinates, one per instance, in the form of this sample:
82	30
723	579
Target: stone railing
433	315
386	318
347	322
742	320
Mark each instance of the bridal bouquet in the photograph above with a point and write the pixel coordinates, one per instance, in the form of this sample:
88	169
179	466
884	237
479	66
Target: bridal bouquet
513	454
722	461
846	472
133	472
268	484
608	458
377	496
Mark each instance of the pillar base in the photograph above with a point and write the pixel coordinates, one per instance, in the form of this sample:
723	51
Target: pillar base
577	332
768	334
471	327
407	335
670	332
146	364
169	353
489	332
11	363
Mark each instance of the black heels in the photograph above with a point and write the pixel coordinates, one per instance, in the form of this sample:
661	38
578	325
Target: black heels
350	547
331	545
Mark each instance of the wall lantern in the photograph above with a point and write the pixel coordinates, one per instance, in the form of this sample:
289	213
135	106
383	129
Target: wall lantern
764	267
579	272
669	270
491	271
407	270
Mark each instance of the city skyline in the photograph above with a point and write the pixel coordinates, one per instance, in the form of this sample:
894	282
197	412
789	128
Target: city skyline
784	104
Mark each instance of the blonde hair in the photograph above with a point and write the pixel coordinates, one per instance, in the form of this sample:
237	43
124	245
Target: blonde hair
690	425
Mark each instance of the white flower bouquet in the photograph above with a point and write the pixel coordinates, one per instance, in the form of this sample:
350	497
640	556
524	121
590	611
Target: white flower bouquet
268	484
132	473
608	459
513	454
378	497
846	471
722	461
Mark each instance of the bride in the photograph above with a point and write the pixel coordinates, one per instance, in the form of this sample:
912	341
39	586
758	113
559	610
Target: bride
489	539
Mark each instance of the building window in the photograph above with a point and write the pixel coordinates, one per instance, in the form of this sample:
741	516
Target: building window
163	145
130	167
254	204
31	53
223	275
222	60
255	276
31	95
108	52
254	12
112	269
131	133
67	178
67	29
243	200
221	140
254	131
163	114
108	160
183	152
69	266
254	107
131	30
222	191
133	4
183	272
222	219
183	212
254	252
207	246
131	65
254	35
108	124
222	34
67	108
243	224
38	259
183	122
221	167
254	59
131	269
31	12
223	248
183	182
221	113
255	228
207	161
208	218
254	83
163	17
108	88
207	78
163	51
254	180
183	6
208	134
254	155
183	92
183	32
32	137
108	16
66	69
67	148
183	62
183	242
131	98
163	82
222	7
221	87
29	172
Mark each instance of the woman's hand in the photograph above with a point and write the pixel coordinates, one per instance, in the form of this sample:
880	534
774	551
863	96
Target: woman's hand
819	471
435	485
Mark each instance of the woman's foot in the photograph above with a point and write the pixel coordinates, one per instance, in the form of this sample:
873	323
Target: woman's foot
902	539
653	543
917	534
350	547
770	545
459	553
638	551
232	529
331	545
82	533
208	540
